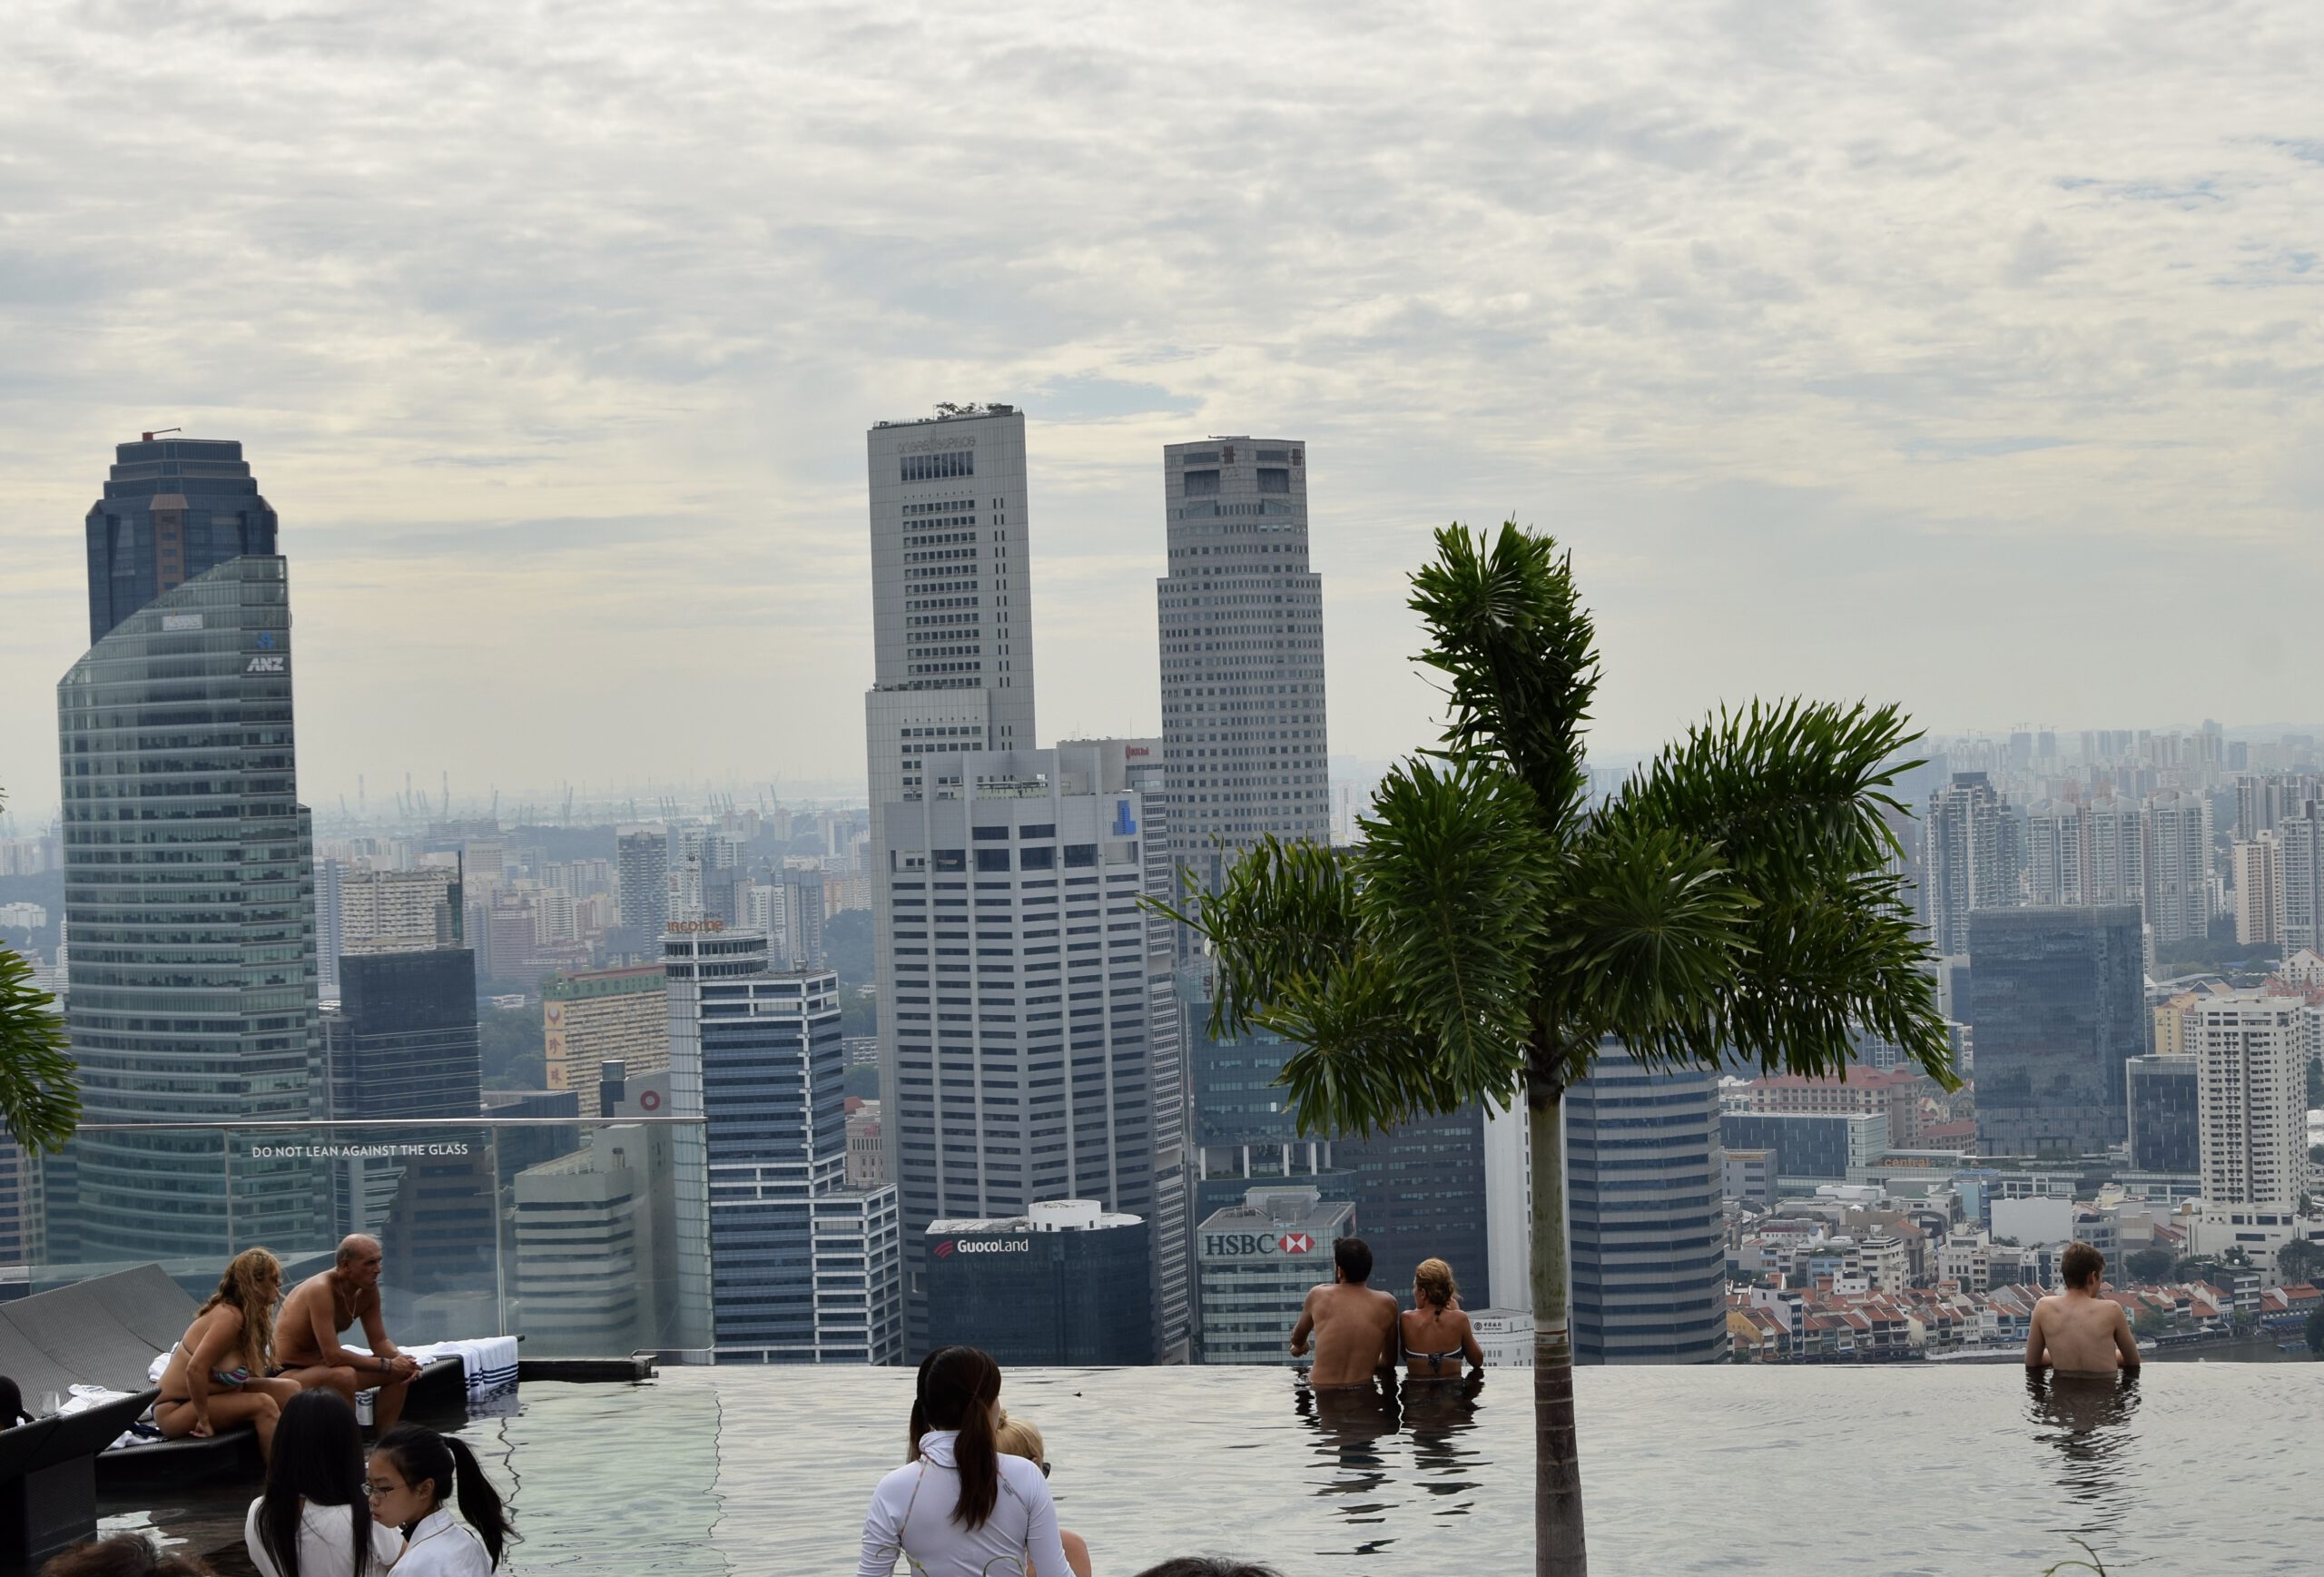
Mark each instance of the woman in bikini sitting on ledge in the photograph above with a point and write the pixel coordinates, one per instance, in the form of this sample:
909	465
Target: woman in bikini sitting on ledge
216	1376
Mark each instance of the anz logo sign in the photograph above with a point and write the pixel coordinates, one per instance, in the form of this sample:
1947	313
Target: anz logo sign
263	665
1125	825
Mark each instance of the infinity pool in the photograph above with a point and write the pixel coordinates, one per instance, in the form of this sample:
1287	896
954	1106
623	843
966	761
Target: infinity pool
1866	1471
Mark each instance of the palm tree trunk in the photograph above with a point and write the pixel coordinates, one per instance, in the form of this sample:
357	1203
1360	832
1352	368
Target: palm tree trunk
1558	1548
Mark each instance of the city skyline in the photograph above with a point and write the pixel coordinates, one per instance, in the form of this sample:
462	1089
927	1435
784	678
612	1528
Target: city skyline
1779	335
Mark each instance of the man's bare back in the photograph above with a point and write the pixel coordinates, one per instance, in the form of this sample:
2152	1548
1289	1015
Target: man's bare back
2076	1331
1354	1332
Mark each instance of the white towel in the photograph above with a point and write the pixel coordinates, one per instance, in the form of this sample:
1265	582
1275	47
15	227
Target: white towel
486	1363
84	1398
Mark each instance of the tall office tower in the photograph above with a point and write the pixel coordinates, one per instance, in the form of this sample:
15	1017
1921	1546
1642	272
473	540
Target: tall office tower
172	509
2300	883
1066	1285
189	880
2085	851
1242	624
1974	858
599	1016
1419	1189
2259	873
402	1043
597	1257
2253	1096
952	642
1643	1181
2057	1003
2178	833
644	861
1029	1074
2264	798
803	1269
2165	1110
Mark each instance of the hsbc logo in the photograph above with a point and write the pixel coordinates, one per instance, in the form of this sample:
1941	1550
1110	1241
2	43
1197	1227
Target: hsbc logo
262	664
1239	1245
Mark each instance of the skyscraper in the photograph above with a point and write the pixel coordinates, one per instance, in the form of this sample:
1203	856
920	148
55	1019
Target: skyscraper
1644	1183
1974	858
173	509
644	863
951	625
2300	883
2178	833
1025	1067
2057	1005
2251	1095
2085	851
1242	630
189	883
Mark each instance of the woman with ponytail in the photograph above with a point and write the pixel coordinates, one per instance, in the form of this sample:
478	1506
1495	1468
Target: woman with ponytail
417	1476
958	1507
313	1521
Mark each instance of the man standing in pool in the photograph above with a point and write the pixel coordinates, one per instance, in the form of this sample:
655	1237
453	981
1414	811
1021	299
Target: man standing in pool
2076	1331
1353	1327
306	1333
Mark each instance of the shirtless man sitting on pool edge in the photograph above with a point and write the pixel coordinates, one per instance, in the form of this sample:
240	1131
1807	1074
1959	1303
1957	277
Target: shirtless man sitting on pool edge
1353	1327
2076	1331
306	1333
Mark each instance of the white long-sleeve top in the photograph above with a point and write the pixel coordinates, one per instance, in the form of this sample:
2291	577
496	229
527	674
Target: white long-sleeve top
911	1519
442	1546
326	1542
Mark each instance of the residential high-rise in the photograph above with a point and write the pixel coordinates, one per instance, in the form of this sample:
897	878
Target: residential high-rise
1974	858
599	1016
1644	1178
2178	834
1030	994
1242	632
2259	875
644	863
189	882
172	509
399	911
2085	851
2251	1095
2263	799
2057	1004
2300	883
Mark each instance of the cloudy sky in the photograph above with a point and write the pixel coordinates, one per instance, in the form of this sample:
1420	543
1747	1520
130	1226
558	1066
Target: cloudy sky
1966	356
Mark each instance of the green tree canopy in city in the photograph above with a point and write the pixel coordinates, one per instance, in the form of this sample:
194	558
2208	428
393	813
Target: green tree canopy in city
39	1098
2147	1265
1494	929
2299	1261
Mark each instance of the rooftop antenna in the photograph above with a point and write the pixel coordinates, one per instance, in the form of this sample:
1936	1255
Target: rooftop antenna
158	431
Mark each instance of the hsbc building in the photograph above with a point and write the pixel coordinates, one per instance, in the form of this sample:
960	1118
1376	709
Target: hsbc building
1256	1262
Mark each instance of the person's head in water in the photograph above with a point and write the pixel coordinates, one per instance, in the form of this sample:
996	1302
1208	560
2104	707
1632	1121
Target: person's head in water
1353	1258
960	1388
1433	1286
2081	1266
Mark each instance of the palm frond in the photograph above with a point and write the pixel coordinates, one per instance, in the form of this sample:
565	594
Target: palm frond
1286	911
39	1098
1454	872
1507	628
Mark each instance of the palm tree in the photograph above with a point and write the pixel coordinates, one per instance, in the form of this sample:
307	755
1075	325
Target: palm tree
1741	896
40	1102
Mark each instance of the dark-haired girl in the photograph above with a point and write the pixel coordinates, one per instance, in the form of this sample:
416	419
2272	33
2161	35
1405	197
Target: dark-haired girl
958	1507
314	1518
416	1477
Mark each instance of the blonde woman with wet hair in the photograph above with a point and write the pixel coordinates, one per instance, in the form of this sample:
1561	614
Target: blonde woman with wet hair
216	1376
1019	1437
1435	1331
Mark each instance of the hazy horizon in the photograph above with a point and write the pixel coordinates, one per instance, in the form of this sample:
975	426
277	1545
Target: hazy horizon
1967	360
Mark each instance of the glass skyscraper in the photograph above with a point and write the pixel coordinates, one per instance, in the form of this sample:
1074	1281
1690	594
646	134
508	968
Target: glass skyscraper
189	880
2057	1004
173	509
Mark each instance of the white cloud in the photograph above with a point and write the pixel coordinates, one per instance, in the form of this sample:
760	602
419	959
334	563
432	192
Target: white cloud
1933	354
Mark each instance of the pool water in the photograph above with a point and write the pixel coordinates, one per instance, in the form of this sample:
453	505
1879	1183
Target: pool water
1874	1472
